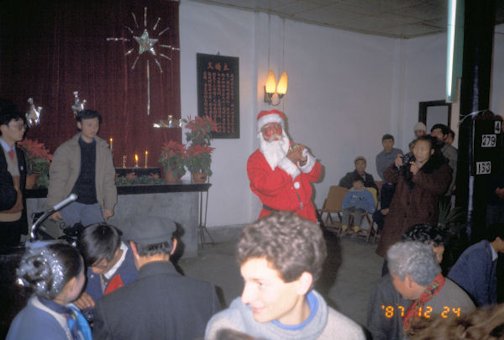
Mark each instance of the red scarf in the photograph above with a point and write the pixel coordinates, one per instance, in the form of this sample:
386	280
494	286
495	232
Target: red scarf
431	290
114	284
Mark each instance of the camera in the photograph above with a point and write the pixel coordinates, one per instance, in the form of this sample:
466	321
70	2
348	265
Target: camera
407	159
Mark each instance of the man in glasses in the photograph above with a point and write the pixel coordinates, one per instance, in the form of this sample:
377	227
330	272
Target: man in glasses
12	128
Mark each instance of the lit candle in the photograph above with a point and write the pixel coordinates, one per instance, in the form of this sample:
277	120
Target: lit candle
146	158
111	144
124	161
136	161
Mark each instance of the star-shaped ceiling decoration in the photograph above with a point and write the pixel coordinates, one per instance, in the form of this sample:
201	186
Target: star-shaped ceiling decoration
145	44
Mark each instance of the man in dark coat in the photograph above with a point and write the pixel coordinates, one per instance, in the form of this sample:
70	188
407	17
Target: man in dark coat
8	194
12	159
161	303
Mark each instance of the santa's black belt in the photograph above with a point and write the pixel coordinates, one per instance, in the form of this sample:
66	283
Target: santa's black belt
265	207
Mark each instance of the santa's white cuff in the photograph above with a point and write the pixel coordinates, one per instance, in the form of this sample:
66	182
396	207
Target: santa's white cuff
289	167
310	162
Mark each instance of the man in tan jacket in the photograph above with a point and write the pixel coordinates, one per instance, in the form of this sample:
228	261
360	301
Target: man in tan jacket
83	165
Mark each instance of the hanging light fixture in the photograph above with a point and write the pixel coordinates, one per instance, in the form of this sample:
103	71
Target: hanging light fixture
282	84
271	83
273	91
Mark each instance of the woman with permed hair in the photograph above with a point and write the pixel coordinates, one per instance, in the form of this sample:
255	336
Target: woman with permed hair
54	272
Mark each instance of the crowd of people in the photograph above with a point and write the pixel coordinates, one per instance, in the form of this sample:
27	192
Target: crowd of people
115	286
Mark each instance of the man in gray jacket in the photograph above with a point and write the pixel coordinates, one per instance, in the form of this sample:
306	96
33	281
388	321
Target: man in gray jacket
83	165
281	258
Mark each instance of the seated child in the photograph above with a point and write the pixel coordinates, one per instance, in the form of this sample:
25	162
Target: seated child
55	273
357	202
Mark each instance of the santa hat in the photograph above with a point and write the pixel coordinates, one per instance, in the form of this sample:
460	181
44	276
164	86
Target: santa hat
272	116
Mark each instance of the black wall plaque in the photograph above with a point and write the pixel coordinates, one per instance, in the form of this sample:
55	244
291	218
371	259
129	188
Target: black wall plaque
218	93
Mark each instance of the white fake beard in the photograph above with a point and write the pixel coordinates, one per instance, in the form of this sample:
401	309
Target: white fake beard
274	151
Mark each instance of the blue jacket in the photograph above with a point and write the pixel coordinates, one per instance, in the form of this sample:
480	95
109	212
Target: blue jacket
475	272
48	321
127	273
359	199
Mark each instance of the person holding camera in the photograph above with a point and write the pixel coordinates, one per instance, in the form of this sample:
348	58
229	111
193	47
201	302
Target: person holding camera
421	178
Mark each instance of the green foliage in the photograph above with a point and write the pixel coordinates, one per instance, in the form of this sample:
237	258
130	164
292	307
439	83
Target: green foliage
200	163
173	158
449	216
198	154
141	180
454	222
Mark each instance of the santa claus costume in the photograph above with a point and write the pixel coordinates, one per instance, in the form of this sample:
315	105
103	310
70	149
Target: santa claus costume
280	184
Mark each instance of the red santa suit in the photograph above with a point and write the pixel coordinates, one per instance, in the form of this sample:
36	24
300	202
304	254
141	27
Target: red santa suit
283	185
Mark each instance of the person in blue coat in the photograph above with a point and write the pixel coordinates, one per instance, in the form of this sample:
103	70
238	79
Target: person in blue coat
476	269
54	271
109	261
357	202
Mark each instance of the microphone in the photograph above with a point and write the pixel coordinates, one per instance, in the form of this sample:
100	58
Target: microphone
71	198
47	213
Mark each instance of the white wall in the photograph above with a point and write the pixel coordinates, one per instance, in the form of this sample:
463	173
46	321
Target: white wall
423	79
212	30
345	91
338	101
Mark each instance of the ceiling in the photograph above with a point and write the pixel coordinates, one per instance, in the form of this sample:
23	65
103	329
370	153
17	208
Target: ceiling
390	18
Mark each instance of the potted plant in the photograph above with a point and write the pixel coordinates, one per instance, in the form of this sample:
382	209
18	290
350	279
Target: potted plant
200	130
172	159
199	158
198	162
38	160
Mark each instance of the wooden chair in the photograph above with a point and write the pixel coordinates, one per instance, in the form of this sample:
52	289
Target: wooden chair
332	206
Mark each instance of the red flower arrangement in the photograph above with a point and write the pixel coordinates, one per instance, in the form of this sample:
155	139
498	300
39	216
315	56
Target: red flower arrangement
38	159
38	156
173	155
199	159
200	130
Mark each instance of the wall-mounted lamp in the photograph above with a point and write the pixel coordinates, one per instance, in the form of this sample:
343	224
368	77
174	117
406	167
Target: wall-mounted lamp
273	92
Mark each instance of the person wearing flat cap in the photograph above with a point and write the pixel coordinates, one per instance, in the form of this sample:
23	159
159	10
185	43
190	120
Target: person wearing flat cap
161	303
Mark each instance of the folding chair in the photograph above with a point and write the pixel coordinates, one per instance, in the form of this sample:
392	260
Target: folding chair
332	205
